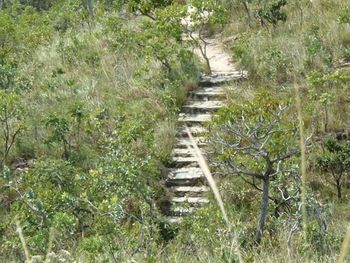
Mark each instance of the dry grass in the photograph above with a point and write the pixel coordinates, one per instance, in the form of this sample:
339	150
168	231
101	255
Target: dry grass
206	171
23	241
303	156
205	168
345	247
165	138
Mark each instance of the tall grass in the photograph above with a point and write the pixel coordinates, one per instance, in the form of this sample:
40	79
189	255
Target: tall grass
345	247
206	171
49	247
303	157
23	241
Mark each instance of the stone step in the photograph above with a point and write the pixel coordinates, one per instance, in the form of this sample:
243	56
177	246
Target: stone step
208	94
236	73
183	152
222	78
185	173
188	182
185	142
186	176
174	219
195	130
193	201
182	211
178	161
189	190
202	106
194	118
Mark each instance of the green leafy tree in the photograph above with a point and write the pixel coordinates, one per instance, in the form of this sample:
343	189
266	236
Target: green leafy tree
272	12
163	34
67	131
327	90
158	39
255	142
22	30
59	133
161	38
40	5
335	160
199	16
146	7
7	36
7	76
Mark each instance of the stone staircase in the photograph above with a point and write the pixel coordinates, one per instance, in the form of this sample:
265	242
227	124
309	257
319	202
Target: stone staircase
185	180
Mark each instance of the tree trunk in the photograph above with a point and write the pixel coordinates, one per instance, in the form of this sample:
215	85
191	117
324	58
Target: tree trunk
247	11
338	185
208	65
203	49
325	119
263	209
90	7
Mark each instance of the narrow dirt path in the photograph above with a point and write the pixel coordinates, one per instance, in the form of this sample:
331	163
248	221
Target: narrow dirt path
220	61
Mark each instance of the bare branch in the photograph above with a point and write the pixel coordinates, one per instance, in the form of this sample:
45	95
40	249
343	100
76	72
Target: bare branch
286	156
239	171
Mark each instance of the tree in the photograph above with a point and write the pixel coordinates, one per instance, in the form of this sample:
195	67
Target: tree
161	38
247	11
68	130
268	11
60	129
10	120
198	16
7	76
146	7
162	34
254	142
48	196
272	12
327	90
335	160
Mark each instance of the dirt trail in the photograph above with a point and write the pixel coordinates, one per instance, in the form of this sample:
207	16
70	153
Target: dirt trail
220	61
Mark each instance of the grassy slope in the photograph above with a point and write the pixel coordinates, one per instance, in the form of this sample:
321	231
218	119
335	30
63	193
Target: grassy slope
106	80
103	92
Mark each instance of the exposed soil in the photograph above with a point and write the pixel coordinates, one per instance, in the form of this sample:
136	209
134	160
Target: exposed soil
220	61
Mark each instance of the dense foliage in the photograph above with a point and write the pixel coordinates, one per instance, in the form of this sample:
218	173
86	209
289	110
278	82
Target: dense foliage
87	107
